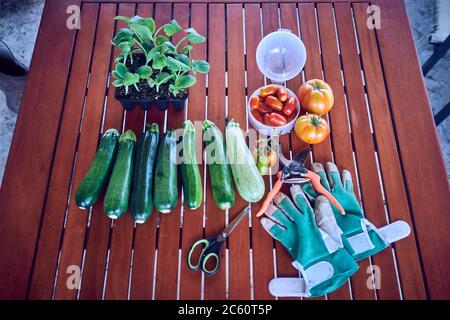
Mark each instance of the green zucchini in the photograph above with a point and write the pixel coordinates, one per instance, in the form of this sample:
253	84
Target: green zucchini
95	179
165	195
141	204
218	168
249	182
192	180
118	192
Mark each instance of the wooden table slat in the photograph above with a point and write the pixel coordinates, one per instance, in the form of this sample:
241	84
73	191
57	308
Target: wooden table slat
239	243
423	164
215	287
169	224
364	148
31	153
41	286
406	251
191	281
75	230
341	137
262	243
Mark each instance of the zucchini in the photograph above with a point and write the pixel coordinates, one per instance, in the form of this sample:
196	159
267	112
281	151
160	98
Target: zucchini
141	204
218	168
95	179
117	195
249	182
165	194
192	181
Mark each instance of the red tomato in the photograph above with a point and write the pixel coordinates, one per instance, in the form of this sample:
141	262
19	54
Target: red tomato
276	119
274	103
258	116
290	106
268	90
254	100
282	94
263	108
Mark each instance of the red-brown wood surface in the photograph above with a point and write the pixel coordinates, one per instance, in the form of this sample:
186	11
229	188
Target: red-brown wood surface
191	281
406	251
31	153
145	234
239	243
98	238
380	101
169	224
215	287
423	164
75	230
262	243
41	286
341	136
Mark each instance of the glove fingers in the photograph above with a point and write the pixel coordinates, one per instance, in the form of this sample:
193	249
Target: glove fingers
347	180
318	168
286	206
309	191
333	175
277	215
272	228
300	200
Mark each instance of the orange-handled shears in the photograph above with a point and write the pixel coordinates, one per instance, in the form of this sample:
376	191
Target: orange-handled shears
294	171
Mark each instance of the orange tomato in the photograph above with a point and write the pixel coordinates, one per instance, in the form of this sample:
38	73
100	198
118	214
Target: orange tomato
316	96
272	156
269	90
311	128
254	100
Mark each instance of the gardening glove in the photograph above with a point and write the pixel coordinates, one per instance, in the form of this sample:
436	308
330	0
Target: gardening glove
323	263
360	237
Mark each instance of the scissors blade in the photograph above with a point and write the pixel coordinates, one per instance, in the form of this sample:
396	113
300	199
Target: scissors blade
233	224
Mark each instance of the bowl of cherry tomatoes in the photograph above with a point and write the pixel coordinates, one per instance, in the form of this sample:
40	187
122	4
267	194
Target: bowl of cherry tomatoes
273	109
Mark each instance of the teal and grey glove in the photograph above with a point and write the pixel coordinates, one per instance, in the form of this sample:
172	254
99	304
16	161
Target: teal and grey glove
360	237
322	261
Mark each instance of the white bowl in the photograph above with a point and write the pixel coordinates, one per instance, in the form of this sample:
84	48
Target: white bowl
270	130
281	55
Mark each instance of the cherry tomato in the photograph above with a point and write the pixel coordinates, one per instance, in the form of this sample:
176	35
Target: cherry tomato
274	103
263	108
258	116
290	106
263	164
266	119
276	119
254	100
272	156
282	94
268	90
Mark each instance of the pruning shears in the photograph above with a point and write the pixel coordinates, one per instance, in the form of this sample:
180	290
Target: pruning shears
295	172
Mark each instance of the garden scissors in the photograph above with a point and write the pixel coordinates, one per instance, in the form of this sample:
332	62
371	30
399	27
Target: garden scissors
295	172
212	246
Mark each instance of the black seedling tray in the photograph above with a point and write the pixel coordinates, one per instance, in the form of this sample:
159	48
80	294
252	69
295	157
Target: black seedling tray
145	104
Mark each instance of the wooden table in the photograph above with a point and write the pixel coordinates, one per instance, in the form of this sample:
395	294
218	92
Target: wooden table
382	131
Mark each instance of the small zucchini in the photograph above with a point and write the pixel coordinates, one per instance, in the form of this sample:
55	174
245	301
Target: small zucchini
249	182
218	168
165	195
118	193
141	203
190	173
96	178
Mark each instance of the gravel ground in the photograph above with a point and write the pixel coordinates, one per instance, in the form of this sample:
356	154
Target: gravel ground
19	21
